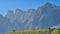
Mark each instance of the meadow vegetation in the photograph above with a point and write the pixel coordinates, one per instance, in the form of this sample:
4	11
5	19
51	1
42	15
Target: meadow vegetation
35	32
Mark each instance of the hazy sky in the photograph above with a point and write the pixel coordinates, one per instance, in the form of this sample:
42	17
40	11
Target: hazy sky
6	5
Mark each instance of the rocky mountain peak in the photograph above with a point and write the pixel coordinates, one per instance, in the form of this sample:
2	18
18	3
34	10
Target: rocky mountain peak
18	11
31	10
10	11
48	4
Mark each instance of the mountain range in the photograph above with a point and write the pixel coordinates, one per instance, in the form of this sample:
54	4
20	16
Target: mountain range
43	17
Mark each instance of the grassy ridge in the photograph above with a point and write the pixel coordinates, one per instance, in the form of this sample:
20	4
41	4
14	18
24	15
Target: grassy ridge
30	32
35	32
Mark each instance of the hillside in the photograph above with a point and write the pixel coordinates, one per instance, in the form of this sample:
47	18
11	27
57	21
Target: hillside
29	32
35	32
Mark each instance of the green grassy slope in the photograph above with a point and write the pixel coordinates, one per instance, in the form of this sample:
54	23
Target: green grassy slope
35	32
56	32
30	32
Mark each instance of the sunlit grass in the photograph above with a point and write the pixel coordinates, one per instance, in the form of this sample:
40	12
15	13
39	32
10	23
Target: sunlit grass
30	32
35	32
56	32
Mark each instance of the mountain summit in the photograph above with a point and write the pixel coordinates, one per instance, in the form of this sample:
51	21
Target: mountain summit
48	3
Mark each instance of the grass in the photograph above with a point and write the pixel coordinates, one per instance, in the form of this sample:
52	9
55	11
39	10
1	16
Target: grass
56	32
35	32
30	32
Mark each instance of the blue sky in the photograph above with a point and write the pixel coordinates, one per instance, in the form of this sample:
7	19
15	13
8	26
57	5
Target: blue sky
24	5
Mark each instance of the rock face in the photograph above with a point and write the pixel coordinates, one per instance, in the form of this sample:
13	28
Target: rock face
34	19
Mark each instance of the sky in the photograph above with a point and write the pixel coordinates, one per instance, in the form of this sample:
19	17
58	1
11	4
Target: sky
24	5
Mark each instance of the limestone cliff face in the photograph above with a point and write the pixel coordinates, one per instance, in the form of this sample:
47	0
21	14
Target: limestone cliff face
41	18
